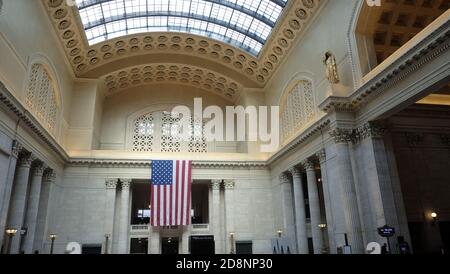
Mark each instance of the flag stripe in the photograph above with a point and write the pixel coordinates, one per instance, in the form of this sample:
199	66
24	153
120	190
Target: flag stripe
171	193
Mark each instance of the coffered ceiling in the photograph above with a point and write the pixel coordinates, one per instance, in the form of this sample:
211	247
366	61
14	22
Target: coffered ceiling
239	67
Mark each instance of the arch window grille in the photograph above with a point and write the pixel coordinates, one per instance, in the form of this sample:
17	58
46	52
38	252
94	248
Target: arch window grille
160	131
41	98
297	108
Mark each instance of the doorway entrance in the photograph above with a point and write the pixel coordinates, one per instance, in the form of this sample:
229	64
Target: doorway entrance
202	245
170	246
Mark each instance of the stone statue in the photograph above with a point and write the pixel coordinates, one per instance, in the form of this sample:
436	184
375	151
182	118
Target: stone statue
331	68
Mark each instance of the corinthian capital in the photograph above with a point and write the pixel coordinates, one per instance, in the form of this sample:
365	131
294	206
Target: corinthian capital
229	184
16	149
370	130
341	135
49	175
321	155
125	183
25	159
111	183
38	168
308	165
295	172
215	184
284	178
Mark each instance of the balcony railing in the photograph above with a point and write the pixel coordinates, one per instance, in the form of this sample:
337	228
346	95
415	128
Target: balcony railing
141	229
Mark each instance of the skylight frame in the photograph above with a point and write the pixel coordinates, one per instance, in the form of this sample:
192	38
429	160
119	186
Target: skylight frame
245	24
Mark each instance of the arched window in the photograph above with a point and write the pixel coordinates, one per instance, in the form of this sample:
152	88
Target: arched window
297	108
41	96
159	131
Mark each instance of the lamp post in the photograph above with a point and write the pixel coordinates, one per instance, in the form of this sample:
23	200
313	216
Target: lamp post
322	233
232	243
434	217
107	242
280	233
52	238
11	232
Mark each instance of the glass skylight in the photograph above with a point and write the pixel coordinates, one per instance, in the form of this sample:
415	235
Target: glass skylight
245	24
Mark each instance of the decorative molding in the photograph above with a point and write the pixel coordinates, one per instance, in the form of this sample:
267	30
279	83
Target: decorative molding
16	149
322	156
17	109
38	168
147	164
229	184
84	58
369	130
49	175
125	183
414	139
215	184
342	135
111	183
301	138
445	138
308	165
284	178
295	172
173	73
25	159
430	48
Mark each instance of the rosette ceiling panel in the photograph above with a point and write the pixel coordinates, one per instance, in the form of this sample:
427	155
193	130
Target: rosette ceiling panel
237	44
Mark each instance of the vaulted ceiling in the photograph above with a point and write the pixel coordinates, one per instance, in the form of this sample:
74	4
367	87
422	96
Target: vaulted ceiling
120	49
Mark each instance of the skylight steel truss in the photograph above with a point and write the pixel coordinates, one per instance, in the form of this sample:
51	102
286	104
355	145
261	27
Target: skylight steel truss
245	24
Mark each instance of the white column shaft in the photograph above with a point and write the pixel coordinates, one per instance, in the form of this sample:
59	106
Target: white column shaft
314	208
300	215
124	218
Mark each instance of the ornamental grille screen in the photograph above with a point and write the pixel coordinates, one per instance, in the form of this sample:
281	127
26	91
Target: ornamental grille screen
297	108
40	97
160	132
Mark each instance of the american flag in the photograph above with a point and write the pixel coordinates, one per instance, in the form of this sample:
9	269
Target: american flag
171	193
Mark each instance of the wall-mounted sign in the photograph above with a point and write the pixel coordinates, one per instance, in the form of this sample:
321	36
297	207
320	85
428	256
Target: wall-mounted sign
386	231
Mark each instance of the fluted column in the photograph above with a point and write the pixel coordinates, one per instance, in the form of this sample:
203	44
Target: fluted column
18	200
111	186
287	207
342	137
229	214
321	155
215	185
299	210
33	206
124	217
314	206
41	227
5	193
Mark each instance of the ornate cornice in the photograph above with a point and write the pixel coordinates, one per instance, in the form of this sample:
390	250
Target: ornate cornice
84	59
301	138
430	48
174	73
17	109
147	163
